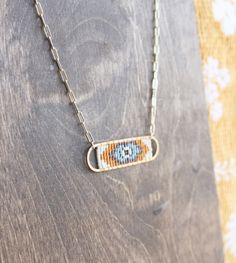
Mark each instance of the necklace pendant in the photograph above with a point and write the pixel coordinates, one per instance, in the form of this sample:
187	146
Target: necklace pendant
122	153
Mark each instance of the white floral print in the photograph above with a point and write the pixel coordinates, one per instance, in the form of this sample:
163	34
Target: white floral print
212	93
216	110
225	171
224	12
216	79
230	236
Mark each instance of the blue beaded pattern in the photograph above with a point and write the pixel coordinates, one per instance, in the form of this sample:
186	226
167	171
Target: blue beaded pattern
125	152
112	154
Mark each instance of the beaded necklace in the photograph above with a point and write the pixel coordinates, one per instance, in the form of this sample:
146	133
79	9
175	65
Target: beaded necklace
109	155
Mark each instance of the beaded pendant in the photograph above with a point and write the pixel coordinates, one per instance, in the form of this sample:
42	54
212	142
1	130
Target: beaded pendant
122	153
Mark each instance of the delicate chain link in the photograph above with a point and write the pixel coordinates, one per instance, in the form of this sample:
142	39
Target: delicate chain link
65	81
156	64
62	72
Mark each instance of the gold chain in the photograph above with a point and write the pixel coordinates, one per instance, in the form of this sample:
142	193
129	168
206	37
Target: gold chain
65	81
155	66
62	72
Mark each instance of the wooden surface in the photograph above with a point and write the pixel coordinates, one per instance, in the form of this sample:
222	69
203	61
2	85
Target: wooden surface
52	208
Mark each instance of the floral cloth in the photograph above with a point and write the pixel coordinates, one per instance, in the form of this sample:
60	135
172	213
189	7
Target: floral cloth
217	32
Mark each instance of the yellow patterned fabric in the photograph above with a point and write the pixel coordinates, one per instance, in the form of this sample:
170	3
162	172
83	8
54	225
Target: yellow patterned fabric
217	32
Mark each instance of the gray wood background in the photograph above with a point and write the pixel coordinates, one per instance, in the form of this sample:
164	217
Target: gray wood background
52	208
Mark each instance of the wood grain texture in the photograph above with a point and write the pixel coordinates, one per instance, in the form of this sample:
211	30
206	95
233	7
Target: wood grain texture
52	208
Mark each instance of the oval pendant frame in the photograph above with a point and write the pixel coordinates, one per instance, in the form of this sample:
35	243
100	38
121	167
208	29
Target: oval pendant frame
153	141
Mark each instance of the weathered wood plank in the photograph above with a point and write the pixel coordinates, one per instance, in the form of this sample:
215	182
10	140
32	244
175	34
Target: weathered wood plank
52	208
